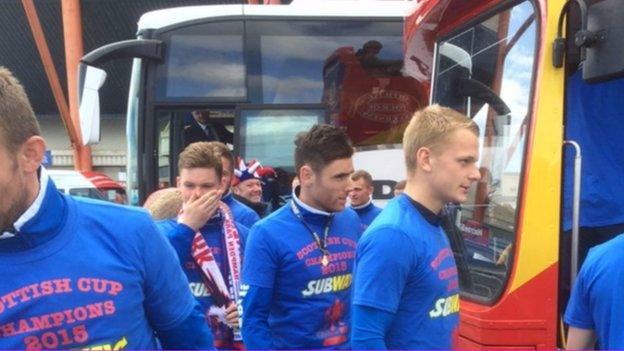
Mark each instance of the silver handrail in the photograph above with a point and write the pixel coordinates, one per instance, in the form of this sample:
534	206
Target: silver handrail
576	204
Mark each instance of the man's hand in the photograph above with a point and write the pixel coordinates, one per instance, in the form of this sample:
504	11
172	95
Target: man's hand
232	316
198	210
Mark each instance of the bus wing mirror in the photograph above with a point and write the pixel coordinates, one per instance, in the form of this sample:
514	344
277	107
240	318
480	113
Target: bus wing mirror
90	81
469	87
604	41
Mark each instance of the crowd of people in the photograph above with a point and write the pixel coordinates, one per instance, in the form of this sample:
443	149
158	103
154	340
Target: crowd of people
216	267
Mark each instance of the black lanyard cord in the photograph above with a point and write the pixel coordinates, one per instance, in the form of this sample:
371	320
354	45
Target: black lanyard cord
322	244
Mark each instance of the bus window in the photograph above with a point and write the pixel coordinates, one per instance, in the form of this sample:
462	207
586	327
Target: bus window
353	67
287	57
486	72
267	134
203	62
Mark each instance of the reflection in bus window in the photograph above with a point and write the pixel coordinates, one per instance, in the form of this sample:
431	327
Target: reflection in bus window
485	72
354	68
373	65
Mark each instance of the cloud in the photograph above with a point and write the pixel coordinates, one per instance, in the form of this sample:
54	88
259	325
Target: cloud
213	78
214	43
292	89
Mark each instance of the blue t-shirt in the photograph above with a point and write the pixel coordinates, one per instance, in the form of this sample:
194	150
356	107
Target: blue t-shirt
181	236
241	213
84	273
597	301
367	213
310	302
406	267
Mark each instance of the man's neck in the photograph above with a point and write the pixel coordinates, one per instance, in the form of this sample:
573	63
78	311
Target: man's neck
416	190
365	204
35	189
305	200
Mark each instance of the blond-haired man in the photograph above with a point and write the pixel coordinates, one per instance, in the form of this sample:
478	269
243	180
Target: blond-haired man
406	293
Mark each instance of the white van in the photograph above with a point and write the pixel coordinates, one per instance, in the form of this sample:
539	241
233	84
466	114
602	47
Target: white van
88	184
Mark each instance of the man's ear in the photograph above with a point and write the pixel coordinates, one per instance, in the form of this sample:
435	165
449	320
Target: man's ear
224	183
30	154
306	175
178	182
423	159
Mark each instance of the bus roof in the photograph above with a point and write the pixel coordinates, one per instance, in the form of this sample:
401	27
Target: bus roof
306	8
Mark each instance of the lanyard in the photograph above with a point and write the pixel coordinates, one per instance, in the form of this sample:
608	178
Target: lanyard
322	244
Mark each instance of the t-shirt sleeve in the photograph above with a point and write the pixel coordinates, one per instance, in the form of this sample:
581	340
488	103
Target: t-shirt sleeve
179	235
578	313
369	328
383	260
168	300
260	259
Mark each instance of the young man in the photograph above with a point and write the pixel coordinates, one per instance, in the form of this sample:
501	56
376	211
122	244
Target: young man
247	186
242	214
361	197
208	242
80	273
594	311
298	260
406	293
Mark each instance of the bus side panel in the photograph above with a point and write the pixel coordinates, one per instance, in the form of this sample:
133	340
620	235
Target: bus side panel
524	318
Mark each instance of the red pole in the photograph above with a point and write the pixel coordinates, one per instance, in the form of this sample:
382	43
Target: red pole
57	91
72	34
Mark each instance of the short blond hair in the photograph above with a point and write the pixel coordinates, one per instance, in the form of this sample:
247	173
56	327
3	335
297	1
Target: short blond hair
164	203
429	127
17	119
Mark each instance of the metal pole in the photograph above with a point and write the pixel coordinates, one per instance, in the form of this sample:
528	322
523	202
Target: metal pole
576	204
72	34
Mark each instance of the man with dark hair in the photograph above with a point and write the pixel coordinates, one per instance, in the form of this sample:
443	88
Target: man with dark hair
406	291
361	196
208	242
242	213
202	128
80	273
298	260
